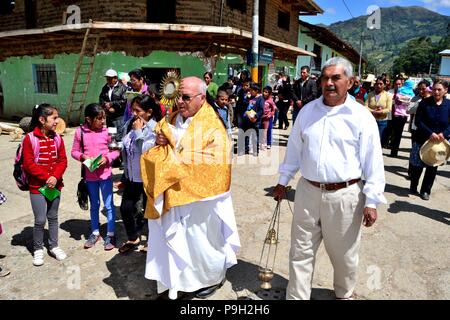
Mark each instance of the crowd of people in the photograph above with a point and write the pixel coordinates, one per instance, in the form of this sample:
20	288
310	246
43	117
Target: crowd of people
338	131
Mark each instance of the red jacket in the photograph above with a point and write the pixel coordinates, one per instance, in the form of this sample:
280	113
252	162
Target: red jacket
50	162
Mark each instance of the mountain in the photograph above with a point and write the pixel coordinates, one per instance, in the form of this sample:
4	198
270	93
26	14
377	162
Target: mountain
398	26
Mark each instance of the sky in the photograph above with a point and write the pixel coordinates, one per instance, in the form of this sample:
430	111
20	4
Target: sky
335	10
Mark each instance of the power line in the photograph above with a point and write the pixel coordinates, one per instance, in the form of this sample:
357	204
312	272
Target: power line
348	9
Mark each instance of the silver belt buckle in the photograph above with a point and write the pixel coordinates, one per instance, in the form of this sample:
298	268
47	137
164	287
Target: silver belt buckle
322	186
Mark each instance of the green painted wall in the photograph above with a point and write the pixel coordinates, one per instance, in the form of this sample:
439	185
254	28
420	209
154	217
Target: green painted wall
16	76
220	75
17	79
288	67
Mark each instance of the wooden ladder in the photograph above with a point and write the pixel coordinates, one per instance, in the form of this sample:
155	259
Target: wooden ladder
82	77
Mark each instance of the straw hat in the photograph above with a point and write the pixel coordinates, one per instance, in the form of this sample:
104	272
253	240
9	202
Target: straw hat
435	153
370	78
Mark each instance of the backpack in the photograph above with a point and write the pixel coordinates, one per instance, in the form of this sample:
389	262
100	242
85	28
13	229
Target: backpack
20	175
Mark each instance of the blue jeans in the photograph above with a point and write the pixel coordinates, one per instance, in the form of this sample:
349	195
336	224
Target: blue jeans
269	132
106	187
381	127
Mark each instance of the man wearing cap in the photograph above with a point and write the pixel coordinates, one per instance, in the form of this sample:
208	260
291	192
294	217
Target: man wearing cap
113	101
334	143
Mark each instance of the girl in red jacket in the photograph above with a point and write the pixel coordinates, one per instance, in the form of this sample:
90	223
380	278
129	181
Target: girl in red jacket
45	169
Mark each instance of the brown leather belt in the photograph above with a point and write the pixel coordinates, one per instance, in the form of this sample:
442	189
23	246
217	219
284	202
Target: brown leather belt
333	186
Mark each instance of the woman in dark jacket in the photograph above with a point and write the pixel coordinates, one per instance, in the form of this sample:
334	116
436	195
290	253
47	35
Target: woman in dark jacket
433	122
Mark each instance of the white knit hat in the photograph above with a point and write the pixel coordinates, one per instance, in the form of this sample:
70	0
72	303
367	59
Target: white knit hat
111	73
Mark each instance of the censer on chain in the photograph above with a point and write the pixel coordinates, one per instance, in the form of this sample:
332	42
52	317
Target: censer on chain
269	250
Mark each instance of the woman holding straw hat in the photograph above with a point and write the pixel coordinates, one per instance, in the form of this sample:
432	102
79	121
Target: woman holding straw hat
433	126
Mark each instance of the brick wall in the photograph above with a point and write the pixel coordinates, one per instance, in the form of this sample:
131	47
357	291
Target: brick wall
196	12
233	17
272	30
50	12
16	20
208	12
133	46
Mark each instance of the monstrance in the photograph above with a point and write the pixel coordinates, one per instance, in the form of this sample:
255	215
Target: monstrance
170	89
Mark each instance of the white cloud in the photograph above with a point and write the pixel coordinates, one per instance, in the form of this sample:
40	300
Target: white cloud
330	10
435	4
395	1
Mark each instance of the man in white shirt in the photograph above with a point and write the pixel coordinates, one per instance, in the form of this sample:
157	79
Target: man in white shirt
335	144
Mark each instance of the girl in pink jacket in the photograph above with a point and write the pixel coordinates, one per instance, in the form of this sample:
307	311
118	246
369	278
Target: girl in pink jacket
90	141
267	119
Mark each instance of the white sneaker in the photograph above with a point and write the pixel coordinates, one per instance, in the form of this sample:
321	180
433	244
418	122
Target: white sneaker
38	258
58	253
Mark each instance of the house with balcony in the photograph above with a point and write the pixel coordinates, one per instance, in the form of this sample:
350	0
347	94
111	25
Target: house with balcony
325	45
44	45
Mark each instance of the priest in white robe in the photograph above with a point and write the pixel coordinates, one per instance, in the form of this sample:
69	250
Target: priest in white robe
193	237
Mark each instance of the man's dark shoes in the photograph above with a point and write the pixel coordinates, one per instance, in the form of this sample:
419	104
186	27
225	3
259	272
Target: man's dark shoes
413	191
129	246
425	196
208	291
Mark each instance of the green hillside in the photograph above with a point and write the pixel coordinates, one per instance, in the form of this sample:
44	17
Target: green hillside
398	26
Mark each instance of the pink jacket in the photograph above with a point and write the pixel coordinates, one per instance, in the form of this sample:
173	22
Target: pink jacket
269	109
95	142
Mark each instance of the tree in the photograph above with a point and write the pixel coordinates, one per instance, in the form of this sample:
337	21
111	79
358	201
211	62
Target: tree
416	56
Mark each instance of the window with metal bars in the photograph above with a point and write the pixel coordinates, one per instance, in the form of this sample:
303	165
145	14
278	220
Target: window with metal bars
45	78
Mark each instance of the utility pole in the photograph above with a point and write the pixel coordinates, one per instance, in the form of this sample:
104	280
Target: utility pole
362	37
255	40
360	53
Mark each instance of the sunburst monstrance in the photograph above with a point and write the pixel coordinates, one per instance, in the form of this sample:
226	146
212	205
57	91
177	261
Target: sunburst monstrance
170	88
